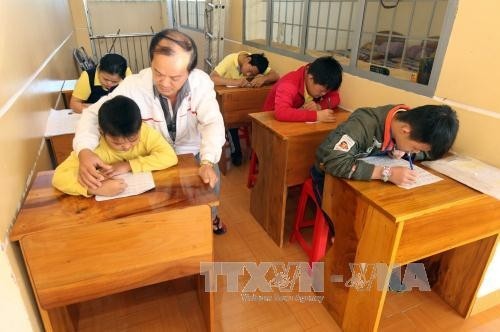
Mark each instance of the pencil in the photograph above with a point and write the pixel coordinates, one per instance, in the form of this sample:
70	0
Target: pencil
409	160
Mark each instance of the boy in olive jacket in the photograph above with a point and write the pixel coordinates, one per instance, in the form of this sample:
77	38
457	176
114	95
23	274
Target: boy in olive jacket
425	132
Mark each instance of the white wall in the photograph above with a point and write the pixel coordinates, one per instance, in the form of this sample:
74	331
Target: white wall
137	16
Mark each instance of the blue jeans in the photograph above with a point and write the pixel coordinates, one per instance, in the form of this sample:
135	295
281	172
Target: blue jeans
216	188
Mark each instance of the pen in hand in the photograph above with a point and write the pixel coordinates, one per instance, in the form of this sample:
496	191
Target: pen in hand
409	160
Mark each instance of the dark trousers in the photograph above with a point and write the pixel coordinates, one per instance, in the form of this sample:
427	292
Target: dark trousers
235	141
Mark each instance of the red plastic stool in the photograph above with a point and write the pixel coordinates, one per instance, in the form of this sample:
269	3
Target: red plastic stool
253	170
315	250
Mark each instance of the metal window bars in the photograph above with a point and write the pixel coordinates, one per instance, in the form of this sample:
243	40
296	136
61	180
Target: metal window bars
133	46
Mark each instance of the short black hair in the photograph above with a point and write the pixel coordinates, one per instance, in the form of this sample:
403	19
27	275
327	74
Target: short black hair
436	125
259	61
120	117
177	37
114	64
326	71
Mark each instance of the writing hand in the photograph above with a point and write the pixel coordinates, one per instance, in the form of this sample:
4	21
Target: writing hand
118	168
403	175
312	106
258	81
242	82
110	187
326	115
88	174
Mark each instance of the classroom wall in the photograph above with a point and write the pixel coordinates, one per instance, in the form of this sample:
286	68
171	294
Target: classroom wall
468	82
80	26
128	16
37	40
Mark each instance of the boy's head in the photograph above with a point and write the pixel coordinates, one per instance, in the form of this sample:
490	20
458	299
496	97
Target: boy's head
112	69
254	64
428	128
120	122
323	75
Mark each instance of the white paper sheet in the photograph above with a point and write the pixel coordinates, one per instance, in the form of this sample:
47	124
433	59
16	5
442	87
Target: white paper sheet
471	172
136	184
61	122
423	178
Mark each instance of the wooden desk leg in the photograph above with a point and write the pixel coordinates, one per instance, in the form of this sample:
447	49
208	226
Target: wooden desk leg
362	235
461	272
206	300
268	196
62	319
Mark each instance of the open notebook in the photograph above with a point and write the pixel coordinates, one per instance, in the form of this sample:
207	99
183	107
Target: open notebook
61	122
136	184
471	172
424	177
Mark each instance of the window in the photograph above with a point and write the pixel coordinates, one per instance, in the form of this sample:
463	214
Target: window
192	14
400	43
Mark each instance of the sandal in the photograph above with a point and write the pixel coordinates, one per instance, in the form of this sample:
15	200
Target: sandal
218	227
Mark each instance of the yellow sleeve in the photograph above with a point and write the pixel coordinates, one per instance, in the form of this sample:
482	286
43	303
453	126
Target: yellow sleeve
128	72
224	66
158	155
268	69
66	177
82	87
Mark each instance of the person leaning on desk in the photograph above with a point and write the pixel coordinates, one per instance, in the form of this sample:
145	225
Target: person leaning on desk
98	82
176	99
243	69
307	94
425	132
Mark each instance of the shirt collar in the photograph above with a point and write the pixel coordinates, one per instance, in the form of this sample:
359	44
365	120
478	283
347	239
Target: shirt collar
183	92
388	143
307	96
237	64
97	82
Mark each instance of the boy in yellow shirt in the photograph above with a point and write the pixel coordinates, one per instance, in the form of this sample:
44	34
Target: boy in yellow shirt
242	69
126	144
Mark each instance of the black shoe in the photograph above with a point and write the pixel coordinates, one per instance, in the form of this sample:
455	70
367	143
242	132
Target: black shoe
236	159
218	226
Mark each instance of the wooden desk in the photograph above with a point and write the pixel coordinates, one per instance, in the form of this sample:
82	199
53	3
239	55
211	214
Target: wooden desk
236	103
379	222
67	91
286	152
78	249
59	147
59	134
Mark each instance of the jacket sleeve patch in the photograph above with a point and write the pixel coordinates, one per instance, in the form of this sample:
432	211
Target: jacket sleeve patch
344	144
